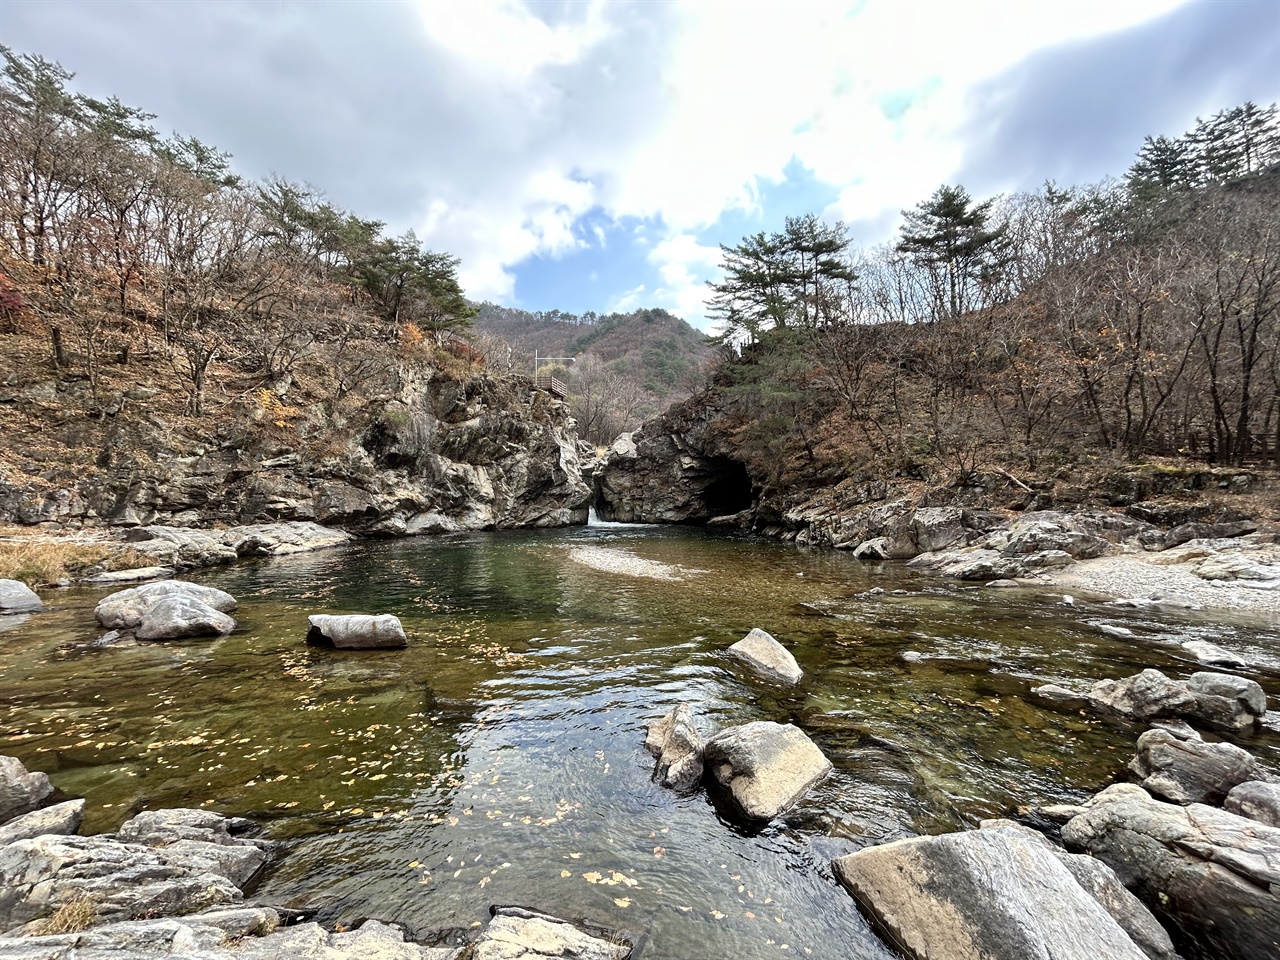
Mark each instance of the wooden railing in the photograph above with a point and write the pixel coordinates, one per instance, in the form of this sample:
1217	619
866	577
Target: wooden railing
553	386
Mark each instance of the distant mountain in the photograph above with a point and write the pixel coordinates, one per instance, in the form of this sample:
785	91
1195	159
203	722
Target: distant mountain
626	367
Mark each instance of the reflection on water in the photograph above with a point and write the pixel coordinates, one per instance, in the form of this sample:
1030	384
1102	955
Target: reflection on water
499	758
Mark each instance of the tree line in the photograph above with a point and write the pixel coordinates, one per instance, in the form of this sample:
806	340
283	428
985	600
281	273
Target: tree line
123	239
1131	318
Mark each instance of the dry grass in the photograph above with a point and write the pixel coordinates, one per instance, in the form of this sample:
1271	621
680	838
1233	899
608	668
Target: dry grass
39	563
73	916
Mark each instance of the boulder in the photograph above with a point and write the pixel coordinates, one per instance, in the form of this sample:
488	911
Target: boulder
936	528
1188	770
981	895
21	791
181	547
515	933
1144	696
1186	532
124	610
356	631
1213	655
60	819
17	597
1209	875
1237	566
134	575
373	940
281	539
767	657
765	767
178	617
1225	700
1047	530
675	741
1256	799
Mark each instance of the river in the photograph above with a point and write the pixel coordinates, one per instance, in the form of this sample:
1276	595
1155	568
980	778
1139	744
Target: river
499	759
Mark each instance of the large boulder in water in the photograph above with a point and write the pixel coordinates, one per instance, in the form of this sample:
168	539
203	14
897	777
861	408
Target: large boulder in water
1188	770
1257	799
676	743
357	631
1210	876
981	895
21	791
17	597
125	609
765	767
767	657
1220	699
179	617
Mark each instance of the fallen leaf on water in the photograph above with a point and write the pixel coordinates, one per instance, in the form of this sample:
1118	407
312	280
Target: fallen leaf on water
484	880
717	914
592	877
659	851
622	901
565	873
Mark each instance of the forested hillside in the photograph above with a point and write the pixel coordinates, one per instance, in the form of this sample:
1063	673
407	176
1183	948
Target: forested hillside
1029	334
626	366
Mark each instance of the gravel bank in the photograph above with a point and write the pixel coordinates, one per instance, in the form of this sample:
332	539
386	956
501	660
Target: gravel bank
628	564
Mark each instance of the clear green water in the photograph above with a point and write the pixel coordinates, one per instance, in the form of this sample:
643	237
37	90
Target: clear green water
499	758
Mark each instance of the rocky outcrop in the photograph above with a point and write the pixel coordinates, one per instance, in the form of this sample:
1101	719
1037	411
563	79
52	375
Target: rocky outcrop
1185	769
168	862
20	790
765	767
1258	800
1211	876
767	657
126	609
61	819
17	597
479	453
516	933
1219	699
356	631
677	745
982	894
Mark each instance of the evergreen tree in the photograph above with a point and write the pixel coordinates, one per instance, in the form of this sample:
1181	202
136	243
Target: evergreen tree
953	238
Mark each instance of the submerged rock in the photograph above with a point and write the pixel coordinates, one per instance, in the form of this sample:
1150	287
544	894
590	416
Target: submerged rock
1213	655
992	894
766	767
1209	875
17	597
675	741
357	631
767	657
1188	770
21	791
179	617
124	610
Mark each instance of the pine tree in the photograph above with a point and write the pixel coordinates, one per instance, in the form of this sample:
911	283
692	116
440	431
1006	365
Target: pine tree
954	239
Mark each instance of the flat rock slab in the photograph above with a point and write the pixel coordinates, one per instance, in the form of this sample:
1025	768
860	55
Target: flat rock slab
136	575
515	933
1209	875
357	631
767	657
981	895
20	790
17	597
60	819
766	767
125	609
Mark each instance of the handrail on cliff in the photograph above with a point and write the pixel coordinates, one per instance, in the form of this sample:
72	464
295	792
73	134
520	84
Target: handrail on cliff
554	386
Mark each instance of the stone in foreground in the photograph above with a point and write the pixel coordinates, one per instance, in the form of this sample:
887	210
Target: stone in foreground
675	741
179	617
60	819
1210	876
17	597
20	791
981	895
767	657
766	767
124	610
515	933
357	631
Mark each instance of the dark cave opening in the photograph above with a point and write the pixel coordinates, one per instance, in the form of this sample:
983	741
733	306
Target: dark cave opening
730	491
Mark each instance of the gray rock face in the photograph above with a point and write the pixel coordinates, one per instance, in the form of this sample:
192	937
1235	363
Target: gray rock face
1220	699
1210	876
767	657
181	547
124	610
1257	800
20	791
198	936
134	575
186	547
1188	770
1047	530
981	894
60	819
677	745
17	597
515	933
372	941
1186	532
1213	655
179	617
357	631
766	767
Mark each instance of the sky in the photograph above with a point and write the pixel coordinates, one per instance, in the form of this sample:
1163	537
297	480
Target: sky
594	155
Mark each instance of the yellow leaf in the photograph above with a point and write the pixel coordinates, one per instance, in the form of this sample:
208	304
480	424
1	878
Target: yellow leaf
592	877
565	873
622	901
